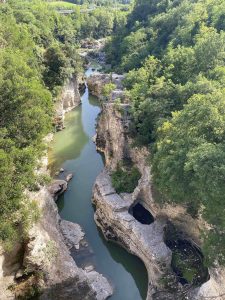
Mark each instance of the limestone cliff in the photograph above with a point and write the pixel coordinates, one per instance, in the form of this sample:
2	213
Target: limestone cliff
96	83
44	261
69	98
117	224
114	218
113	126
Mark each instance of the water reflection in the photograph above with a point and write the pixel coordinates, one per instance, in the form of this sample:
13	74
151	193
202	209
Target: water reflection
74	150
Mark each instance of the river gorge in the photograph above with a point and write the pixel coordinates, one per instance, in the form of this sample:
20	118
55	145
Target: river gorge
160	257
73	150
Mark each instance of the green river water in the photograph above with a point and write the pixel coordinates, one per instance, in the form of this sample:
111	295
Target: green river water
74	150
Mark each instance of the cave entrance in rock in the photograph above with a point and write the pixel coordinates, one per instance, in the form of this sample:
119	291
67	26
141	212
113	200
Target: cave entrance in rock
187	259
141	214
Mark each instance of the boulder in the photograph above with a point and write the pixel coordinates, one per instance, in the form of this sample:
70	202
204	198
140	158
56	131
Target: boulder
99	284
69	177
72	233
57	188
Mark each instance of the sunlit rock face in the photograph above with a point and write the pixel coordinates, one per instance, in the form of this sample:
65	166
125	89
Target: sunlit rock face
117	224
68	99
114	216
97	82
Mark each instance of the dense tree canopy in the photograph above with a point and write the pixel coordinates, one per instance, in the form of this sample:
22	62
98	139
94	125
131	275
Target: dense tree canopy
38	53
174	52
36	57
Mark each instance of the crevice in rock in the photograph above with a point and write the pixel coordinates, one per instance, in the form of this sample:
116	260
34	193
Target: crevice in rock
187	258
141	214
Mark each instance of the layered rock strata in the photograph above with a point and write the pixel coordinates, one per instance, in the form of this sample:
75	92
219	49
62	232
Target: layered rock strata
96	83
112	210
69	99
44	262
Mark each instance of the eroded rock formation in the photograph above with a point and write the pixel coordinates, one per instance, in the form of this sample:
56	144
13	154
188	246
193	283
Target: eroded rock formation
112	216
96	83
45	257
68	99
43	261
57	187
112	210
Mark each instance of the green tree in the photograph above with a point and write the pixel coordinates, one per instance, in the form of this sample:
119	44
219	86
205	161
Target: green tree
107	90
189	164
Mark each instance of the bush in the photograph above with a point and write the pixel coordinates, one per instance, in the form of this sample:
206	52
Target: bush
125	180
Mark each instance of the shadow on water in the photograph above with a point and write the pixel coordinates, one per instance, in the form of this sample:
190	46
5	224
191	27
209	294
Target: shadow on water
93	101
132	264
74	150
69	142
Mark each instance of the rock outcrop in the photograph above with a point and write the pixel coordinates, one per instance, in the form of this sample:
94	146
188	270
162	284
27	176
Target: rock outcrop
112	133
43	262
96	83
112	210
146	242
57	188
10	263
73	234
91	44
93	49
68	99
48	251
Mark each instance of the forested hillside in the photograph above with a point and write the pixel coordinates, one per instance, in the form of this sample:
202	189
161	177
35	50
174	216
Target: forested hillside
37	54
174	52
100	2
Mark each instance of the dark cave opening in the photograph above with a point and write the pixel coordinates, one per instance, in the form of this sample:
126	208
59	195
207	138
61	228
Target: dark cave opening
187	259
141	214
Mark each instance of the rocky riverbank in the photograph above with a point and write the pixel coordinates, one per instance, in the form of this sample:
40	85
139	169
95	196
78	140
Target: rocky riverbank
68	100
117	224
43	264
113	211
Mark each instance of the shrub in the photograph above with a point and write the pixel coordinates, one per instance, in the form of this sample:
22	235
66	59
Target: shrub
125	180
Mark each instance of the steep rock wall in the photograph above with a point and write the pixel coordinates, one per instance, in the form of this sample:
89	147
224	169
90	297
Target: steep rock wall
112	134
46	253
113	140
44	261
68	99
146	242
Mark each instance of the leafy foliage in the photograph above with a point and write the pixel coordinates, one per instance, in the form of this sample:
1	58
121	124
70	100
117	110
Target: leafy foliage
175	53
36	57
125	179
107	90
